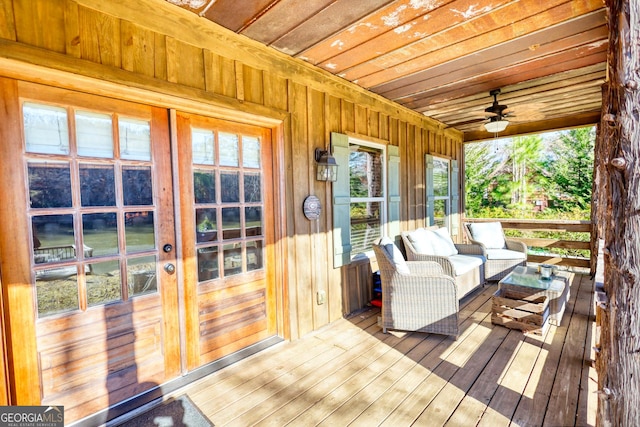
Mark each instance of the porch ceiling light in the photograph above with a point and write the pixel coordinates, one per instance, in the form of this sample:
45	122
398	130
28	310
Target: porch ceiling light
327	168
496	124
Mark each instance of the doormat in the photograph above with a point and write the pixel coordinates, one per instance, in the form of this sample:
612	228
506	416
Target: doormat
178	412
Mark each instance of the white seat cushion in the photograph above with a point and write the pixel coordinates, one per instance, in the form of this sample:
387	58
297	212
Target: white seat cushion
396	256
463	263
490	234
505	254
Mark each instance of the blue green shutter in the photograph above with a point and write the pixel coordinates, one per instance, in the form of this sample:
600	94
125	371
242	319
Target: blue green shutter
428	162
455	200
393	189
341	202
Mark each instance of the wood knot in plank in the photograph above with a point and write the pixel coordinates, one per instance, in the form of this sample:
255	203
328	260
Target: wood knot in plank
619	163
610	119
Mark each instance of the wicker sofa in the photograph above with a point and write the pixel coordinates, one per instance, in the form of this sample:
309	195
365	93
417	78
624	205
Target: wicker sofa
416	295
463	262
503	255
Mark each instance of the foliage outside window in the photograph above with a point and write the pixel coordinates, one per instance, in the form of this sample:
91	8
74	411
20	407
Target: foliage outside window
367	194
441	192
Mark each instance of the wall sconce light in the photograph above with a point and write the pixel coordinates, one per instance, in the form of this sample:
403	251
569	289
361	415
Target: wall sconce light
327	168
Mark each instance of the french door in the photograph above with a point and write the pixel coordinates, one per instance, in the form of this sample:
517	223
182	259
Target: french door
113	295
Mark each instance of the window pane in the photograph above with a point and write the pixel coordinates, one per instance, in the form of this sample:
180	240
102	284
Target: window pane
141	275
204	186
45	129
230	187
94	134
250	152
202	146
49	185
97	187
232	259
53	238
231	223
253	221
206	225
254	255
136	185
57	290
365	225
228	149
440	212
139	231
365	173
103	284
252	189
440	178
135	139
208	263
100	233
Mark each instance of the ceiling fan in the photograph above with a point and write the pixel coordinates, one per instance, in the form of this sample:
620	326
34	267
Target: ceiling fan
497	116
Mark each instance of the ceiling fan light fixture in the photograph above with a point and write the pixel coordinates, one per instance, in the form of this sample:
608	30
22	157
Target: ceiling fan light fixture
496	125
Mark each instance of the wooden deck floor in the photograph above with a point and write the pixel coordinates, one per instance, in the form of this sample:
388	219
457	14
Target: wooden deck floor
350	373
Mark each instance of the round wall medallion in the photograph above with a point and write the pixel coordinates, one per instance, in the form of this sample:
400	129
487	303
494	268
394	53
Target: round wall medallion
312	207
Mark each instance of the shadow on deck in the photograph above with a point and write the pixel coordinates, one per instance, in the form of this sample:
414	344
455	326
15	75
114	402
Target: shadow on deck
350	373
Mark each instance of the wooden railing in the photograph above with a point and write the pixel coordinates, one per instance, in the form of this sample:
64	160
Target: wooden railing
549	257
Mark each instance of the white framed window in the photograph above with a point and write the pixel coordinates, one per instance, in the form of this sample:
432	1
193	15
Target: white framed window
367	193
442	193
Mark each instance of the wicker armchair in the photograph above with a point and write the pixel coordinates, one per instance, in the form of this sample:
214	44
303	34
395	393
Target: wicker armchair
416	296
466	267
503	255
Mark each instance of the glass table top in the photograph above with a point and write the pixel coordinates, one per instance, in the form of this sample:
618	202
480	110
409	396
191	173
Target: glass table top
529	277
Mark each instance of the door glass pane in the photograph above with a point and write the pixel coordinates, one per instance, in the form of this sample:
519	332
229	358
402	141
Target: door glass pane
136	186
228	149
139	231
204	186
250	152
208	263
53	238
57	290
440	212
100	234
365	172
252	189
141	275
253	221
232	259
103	283
94	134
202	146
135	139
206	225
254	255
49	185
230	187
97	185
45	129
231	223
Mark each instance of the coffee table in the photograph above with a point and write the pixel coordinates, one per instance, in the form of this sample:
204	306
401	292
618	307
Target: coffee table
556	289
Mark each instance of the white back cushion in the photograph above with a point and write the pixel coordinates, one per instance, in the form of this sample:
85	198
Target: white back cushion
396	256
421	241
442	244
489	234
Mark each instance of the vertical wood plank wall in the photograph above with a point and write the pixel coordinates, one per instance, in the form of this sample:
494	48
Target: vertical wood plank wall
154	46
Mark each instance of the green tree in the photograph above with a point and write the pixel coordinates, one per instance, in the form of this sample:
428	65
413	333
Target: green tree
572	168
480	167
525	154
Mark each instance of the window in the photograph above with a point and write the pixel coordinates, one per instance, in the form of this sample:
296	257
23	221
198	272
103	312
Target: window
442	193
367	195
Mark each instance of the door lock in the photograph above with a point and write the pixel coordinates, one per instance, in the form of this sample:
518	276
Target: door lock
167	248
169	268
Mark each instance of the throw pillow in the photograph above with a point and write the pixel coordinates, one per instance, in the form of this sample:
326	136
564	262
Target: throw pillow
443	245
489	234
421	241
396	256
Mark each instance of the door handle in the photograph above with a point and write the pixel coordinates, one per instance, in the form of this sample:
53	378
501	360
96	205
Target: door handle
169	268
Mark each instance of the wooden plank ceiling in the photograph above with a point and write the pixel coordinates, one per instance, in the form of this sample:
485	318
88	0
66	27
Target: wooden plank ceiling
442	58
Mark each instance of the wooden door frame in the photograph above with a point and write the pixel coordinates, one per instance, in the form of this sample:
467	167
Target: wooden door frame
18	300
